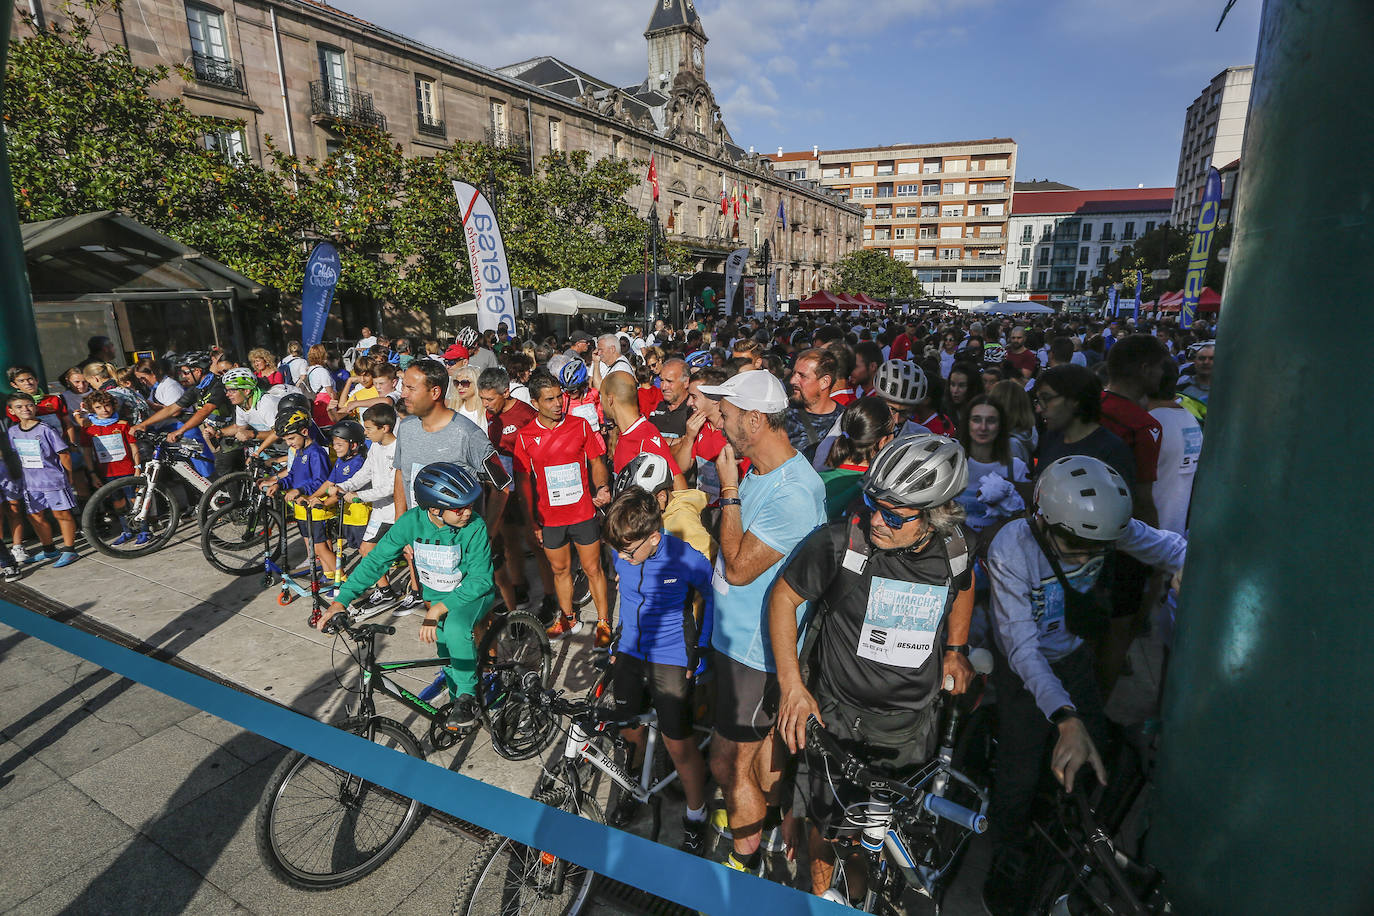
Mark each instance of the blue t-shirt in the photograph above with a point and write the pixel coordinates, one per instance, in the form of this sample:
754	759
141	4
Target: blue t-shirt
345	468
779	508
656	595
306	469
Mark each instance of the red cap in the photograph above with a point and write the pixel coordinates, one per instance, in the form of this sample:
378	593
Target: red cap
456	351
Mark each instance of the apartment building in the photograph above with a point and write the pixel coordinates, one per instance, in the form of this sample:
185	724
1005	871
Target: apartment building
940	207
1060	240
1213	136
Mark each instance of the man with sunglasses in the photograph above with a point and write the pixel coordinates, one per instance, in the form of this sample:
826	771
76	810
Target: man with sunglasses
893	584
1044	673
204	395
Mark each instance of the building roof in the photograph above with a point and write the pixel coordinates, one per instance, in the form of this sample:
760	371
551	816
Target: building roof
672	14
1112	200
556	76
902	146
1042	184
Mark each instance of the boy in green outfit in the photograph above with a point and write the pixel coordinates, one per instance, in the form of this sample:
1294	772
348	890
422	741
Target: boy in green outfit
452	557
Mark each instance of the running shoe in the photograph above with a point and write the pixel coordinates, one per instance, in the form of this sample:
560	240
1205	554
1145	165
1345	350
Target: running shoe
603	634
376	597
66	558
409	604
567	625
463	713
21	556
124	538
431	693
10	573
693	836
735	864
772	835
141	539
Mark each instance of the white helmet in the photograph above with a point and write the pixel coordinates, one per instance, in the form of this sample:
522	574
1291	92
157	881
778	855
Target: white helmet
902	381
917	472
467	337
1085	497
648	471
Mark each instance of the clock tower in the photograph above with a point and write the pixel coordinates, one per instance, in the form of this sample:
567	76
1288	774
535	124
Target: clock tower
676	41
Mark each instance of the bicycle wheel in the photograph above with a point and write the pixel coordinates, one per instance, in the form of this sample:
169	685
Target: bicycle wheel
231	489
233	537
514	646
130	509
320	827
506	877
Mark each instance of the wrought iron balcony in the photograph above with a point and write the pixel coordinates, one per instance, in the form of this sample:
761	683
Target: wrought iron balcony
339	103
430	126
504	138
217	72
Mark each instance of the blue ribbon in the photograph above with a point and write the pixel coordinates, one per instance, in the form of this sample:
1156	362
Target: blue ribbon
691	881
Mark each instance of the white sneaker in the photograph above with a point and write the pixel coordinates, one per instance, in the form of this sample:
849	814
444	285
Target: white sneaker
20	554
409	604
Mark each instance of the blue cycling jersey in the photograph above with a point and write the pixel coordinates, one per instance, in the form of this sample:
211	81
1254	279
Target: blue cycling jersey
656	618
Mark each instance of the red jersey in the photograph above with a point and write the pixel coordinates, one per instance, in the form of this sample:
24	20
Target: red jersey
649	398
939	424
588	407
642	436
844	397
901	346
501	429
114	448
1134	426
558	460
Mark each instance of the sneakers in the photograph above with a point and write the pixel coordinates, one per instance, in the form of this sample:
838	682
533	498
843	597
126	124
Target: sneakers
567	625
10	573
603	634
624	812
66	558
125	537
21	556
693	836
733	862
41	554
377	595
463	712
772	834
141	539
409	604
431	693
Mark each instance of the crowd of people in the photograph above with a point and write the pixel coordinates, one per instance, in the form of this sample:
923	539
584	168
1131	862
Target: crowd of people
816	516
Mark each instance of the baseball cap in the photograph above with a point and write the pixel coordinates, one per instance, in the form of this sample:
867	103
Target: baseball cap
456	351
579	336
757	390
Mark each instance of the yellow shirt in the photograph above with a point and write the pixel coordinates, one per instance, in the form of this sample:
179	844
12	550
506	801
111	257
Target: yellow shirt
361	394
682	519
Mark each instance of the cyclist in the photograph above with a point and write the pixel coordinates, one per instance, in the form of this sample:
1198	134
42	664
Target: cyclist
893	584
204	396
347	439
557	450
255	412
1044	571
902	385
579	398
452	556
306	470
663	639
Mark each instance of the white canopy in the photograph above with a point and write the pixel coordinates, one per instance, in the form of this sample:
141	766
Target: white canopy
1016	307
565	301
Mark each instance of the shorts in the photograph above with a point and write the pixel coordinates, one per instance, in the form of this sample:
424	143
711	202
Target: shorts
635	683
36	501
584	533
319	530
746	700
11	490
375	529
354	535
893	744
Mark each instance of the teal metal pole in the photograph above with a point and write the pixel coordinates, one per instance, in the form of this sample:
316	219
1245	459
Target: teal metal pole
18	333
1264	799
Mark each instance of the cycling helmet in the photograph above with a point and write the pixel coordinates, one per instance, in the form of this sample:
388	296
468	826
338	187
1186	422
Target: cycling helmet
194	359
1085	497
573	375
699	359
240	379
292	401
917	472
901	381
648	471
994	354
467	337
351	431
445	485
291	421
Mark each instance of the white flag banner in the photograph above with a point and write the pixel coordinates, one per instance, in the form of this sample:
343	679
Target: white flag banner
770	302
487	257
734	267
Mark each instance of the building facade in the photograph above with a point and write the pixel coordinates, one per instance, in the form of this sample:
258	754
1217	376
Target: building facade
295	70
1061	240
940	207
1213	136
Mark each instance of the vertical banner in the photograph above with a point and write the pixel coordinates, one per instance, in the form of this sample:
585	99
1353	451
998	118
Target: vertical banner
770	299
750	287
734	267
1111	300
317	291
1202	248
487	258
1139	275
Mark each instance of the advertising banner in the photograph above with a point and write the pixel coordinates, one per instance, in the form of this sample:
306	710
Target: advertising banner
1202	248
1139	275
734	267
317	291
487	258
750	285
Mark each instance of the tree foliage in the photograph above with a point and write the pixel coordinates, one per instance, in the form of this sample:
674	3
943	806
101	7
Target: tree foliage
874	273
1165	246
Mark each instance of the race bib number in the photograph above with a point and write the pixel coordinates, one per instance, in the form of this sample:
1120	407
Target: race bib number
588	413
564	483
1192	447
719	584
901	622
437	566
30	453
109	449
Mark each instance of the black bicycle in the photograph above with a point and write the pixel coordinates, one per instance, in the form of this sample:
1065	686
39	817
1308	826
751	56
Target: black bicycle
137	515
320	827
250	529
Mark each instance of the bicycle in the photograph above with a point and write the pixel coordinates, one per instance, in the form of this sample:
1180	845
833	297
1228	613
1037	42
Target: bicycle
507	877
150	513
320	827
244	535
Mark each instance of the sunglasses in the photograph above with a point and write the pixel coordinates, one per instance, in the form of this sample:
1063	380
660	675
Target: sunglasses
890	518
463	384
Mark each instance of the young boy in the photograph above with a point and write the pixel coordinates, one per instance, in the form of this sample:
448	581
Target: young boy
11	493
375	485
347	441
110	448
453	562
661	644
47	467
306	469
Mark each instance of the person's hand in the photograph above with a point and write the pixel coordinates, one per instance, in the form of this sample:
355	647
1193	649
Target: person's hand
334	608
727	467
795	708
602	496
408	553
173	436
958	670
539	535
1073	749
695	421
429	627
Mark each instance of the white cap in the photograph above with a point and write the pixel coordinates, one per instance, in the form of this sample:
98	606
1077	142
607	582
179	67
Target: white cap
757	390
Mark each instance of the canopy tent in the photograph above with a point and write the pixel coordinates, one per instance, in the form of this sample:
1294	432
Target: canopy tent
1170	302
822	299
1209	301
852	302
1015	307
566	301
869	302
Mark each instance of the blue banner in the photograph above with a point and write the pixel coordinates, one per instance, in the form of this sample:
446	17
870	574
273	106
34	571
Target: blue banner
1111	300
317	292
1202	248
1138	277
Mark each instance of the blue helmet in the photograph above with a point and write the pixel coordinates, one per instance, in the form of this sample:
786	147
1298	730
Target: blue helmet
573	375
445	485
699	360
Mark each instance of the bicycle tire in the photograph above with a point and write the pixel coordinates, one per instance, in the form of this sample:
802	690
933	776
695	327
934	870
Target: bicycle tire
514	646
503	872
232	540
101	522
305	801
226	491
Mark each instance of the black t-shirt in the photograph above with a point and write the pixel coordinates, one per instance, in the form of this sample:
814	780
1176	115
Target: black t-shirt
672	423
1101	444
882	642
196	397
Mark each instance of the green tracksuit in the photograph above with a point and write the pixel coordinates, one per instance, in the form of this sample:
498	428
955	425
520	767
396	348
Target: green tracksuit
454	567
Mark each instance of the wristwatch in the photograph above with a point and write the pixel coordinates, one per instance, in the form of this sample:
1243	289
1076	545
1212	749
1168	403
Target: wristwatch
1062	714
962	649
732	501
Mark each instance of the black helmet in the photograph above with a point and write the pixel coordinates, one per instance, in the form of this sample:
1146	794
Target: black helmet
292	421
293	401
351	431
445	485
194	359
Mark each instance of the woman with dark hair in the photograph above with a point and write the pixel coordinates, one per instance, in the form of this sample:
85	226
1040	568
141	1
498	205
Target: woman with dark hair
1069	400
1018	415
865	427
993	471
963	384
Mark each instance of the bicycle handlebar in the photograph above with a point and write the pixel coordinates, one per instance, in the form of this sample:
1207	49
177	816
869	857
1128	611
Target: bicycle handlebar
359	633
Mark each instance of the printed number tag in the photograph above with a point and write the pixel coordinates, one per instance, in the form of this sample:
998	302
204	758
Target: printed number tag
109	449
437	566
564	482
719	585
30	453
901	622
588	413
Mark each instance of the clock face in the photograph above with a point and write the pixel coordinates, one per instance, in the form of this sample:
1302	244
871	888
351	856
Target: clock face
696	56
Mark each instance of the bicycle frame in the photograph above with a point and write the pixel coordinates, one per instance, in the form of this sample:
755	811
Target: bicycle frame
164	459
579	747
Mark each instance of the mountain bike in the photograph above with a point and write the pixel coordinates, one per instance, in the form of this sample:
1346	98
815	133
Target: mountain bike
320	827
233	487
137	515
241	537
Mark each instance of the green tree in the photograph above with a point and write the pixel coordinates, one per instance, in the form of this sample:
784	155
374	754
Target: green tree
874	273
1165	246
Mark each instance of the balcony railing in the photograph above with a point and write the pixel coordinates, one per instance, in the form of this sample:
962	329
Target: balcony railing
339	103
431	126
504	138
217	72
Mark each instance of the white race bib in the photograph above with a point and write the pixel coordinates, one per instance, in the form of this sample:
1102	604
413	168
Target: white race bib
719	584
109	448
437	566
901	622
564	483
30	453
588	413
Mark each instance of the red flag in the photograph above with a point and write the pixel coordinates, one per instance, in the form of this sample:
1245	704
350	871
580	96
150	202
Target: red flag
653	177
724	202
735	200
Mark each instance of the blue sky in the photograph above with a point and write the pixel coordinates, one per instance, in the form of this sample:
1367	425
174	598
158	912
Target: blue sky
1094	91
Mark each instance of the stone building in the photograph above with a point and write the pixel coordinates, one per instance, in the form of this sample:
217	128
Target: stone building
294	70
